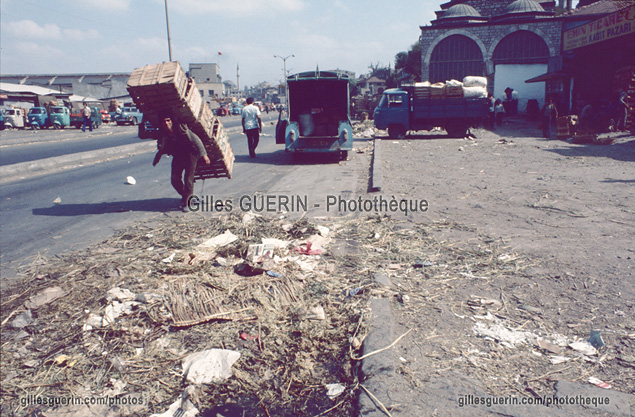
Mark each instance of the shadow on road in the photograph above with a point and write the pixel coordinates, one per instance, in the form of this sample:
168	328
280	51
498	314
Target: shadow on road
623	151
154	204
288	158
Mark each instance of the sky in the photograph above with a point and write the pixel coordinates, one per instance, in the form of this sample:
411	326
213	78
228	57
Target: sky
102	36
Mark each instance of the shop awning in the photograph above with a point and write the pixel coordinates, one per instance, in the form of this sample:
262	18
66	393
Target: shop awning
555	75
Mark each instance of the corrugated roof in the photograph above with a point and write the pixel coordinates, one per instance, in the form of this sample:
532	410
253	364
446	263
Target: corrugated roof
601	7
21	88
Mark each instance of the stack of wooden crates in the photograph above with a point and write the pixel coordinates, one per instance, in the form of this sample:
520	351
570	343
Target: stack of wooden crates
166	88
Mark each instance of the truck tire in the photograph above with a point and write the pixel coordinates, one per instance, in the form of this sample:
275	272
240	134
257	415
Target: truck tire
396	132
456	129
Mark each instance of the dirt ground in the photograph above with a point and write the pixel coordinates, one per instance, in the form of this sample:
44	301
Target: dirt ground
564	213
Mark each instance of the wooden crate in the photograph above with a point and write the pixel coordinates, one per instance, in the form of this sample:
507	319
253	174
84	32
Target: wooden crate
158	87
219	152
189	109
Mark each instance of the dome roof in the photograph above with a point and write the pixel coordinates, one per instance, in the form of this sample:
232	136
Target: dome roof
460	10
524	6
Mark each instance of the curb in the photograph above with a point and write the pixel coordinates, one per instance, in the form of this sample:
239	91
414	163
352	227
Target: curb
376	175
31	169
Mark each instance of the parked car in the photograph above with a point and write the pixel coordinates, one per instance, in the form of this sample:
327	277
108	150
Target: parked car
14	118
60	117
237	110
147	130
130	116
38	118
105	116
77	118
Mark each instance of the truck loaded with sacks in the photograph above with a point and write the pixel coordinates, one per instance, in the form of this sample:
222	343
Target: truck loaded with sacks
454	106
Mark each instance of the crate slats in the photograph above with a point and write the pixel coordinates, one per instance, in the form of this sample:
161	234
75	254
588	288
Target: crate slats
166	87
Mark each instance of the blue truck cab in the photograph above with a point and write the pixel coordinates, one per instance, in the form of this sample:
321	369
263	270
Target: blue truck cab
318	114
59	117
400	111
38	118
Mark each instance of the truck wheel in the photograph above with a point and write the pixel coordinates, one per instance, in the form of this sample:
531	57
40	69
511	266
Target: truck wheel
343	155
396	132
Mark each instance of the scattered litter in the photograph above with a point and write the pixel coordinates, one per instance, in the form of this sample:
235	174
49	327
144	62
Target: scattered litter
260	252
66	360
245	269
44	297
274	274
221	240
119	294
22	320
599	383
58	200
307	250
169	259
506	337
334	390
596	339
352	292
209	366
556	360
247	336
314	313
584	347
480	303
550	347
130	180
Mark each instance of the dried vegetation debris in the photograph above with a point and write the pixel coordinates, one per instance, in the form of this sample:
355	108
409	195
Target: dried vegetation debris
120	317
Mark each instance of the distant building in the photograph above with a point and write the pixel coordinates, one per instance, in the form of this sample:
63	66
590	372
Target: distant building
102	86
208	80
371	86
507	41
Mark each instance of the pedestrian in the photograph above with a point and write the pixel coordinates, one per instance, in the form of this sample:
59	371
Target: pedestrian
511	101
252	125
186	148
499	111
549	117
491	102
87	122
622	110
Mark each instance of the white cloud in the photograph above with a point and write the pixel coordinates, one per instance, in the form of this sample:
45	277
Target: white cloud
28	29
237	7
107	6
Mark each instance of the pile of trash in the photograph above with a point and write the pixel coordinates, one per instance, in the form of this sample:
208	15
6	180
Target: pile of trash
365	129
189	314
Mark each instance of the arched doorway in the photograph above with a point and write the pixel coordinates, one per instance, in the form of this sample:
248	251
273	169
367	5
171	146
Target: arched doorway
455	57
519	56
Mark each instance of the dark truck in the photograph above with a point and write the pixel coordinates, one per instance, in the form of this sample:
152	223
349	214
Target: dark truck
318	118
401	110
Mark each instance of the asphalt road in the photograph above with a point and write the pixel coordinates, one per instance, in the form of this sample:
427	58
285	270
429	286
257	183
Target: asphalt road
95	200
31	145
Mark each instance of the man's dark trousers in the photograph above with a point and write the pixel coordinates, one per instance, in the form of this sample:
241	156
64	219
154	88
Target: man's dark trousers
253	137
183	169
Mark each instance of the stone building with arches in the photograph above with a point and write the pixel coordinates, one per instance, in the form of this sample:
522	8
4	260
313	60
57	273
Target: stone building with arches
507	41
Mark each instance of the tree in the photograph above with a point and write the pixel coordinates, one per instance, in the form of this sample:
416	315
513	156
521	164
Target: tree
408	64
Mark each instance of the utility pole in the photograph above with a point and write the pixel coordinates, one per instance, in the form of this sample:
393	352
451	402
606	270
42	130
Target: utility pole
284	60
167	21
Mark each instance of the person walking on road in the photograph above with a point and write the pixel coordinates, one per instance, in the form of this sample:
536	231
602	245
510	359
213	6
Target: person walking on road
252	125
87	122
186	149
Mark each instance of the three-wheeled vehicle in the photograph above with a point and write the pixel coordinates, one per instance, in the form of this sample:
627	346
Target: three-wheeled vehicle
38	118
14	118
318	119
60	117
